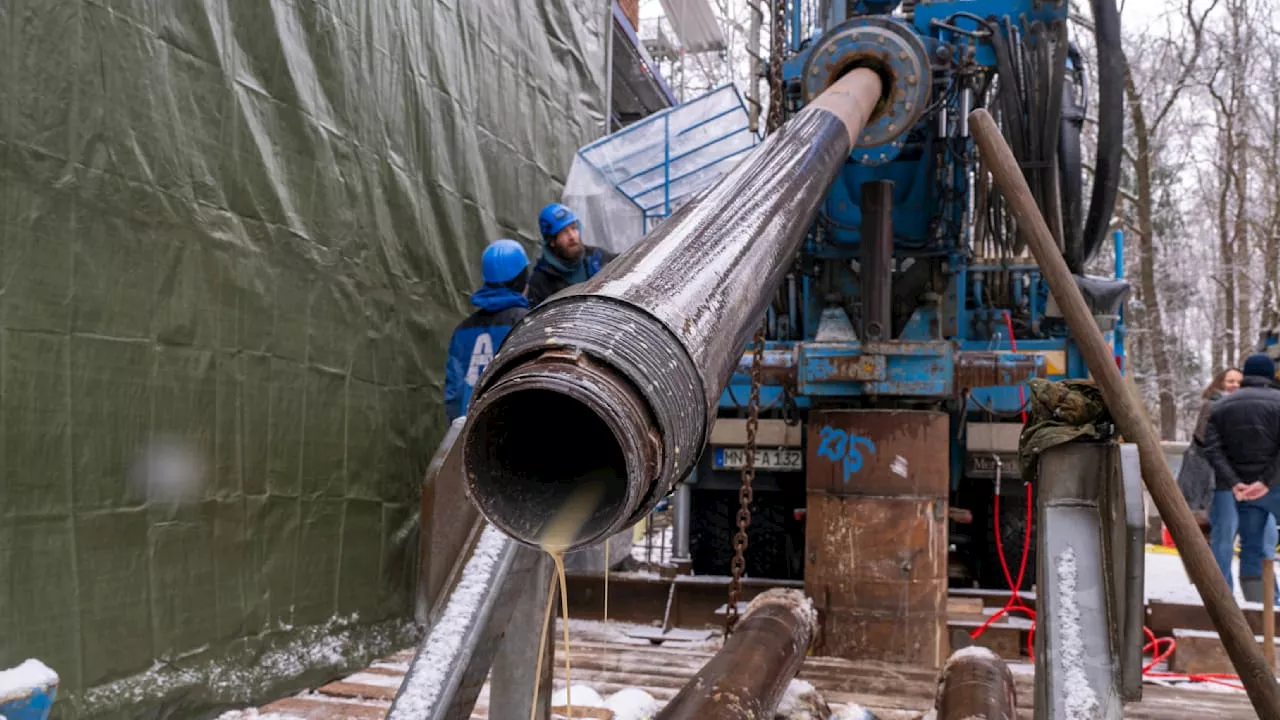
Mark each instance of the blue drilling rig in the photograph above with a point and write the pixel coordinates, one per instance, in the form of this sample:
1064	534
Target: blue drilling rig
913	302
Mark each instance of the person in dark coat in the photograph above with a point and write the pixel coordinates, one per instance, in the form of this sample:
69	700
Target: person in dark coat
1242	444
565	259
1195	477
502	303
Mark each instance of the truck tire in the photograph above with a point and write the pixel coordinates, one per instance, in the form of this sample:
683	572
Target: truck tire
714	521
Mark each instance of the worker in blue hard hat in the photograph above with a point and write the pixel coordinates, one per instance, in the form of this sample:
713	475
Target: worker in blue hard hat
565	260
502	303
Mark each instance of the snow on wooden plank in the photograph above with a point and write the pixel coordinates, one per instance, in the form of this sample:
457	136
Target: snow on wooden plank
312	708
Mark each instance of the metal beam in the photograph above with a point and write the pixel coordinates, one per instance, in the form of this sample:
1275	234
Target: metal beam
454	659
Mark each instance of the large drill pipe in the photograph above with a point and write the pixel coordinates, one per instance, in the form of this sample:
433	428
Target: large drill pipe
976	685
601	399
748	677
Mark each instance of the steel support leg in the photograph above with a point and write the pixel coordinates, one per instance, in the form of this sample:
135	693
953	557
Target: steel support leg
877	260
680	535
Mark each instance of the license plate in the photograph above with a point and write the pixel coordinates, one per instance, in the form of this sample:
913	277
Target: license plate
785	459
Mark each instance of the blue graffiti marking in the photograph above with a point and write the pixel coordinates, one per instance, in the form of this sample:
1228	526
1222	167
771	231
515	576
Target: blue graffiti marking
839	446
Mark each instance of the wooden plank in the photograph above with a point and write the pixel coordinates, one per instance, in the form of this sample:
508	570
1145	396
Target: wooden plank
1201	652
959	608
321	708
1165	617
342	688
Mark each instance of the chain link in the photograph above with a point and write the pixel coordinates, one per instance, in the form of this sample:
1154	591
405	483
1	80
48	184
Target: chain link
739	563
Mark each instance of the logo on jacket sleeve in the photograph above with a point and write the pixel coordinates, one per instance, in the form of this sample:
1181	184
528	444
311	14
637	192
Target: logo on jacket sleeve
481	356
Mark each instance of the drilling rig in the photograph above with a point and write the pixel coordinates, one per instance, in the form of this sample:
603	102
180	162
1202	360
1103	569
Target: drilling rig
825	356
912	291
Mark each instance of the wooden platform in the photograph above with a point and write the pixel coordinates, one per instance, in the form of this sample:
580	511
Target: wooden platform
607	660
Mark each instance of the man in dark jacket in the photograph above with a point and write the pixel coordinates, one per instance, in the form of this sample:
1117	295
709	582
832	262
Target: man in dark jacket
1242	443
565	260
501	303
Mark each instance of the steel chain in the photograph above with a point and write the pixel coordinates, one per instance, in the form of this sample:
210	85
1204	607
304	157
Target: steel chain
739	563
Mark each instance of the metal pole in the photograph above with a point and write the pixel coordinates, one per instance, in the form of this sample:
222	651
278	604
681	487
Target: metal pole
680	533
1133	422
608	67
877	260
631	363
1269	612
747	678
976	685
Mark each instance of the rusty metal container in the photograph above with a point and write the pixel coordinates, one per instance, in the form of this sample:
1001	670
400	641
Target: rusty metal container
876	533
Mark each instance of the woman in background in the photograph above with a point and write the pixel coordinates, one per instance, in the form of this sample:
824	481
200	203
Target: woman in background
1196	481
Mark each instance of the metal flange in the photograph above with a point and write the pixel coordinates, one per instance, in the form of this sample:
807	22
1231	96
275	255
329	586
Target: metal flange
891	49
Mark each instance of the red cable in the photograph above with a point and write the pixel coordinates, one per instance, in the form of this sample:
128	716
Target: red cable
1016	604
1013	345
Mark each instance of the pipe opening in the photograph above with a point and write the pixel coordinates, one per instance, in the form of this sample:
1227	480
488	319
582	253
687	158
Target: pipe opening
876	64
547	468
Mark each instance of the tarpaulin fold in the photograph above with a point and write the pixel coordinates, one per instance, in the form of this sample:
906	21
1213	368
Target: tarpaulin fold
234	238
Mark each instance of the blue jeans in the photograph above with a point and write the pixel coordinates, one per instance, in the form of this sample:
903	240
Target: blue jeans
1257	530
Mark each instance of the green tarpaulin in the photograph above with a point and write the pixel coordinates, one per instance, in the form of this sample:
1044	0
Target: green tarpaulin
234	238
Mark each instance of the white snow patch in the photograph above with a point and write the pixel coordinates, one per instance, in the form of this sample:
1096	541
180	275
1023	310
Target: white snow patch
336	644
977	652
423	684
1082	701
801	701
375	679
1166	580
857	712
582	696
798	602
25	679
632	704
246	714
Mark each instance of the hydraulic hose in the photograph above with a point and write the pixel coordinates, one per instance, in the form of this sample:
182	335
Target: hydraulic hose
1106	178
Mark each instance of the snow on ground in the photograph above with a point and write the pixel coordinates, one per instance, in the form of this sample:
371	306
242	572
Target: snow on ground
1167	580
632	704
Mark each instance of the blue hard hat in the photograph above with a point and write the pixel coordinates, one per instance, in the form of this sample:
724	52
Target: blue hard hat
502	261
554	218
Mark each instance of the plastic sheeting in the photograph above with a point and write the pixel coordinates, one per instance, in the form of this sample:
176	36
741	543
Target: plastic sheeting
234	238
623	185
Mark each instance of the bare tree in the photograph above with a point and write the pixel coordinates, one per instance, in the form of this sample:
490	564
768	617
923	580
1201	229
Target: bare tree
1150	103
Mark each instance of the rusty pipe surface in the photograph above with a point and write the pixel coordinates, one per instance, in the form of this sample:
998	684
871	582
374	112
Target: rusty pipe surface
748	677
605	392
976	685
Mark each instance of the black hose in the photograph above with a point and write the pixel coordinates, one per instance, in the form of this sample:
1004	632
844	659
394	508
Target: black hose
1106	178
1070	166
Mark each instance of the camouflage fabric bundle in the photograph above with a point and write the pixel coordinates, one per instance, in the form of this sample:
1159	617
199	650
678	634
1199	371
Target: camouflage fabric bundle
1061	412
